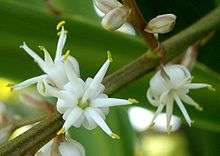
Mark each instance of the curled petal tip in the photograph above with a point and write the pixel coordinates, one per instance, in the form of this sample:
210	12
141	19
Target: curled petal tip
133	101
115	136
23	44
199	108
109	56
60	24
211	88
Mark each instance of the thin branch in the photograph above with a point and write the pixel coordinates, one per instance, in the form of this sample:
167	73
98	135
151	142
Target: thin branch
137	20
41	133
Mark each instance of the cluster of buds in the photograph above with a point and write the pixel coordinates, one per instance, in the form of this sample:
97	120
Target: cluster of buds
115	13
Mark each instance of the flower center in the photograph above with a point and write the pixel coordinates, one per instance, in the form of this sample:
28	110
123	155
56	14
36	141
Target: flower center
83	105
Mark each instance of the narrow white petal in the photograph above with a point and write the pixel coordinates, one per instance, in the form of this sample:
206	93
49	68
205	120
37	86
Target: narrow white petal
67	113
92	92
60	45
37	58
197	85
45	89
187	99
28	82
72	118
99	120
70	72
158	111
88	123
183	110
62	105
76	87
75	65
108	102
48	58
169	112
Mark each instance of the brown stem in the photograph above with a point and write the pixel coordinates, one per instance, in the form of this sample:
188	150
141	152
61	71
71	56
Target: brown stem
137	20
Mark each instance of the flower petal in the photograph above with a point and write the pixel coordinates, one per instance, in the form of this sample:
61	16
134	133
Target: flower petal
187	99
75	65
37	58
28	82
99	121
72	118
108	102
169	112
70	71
60	45
183	110
198	85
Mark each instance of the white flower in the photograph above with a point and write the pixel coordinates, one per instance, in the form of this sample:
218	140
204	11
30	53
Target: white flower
64	147
84	103
172	83
115	13
54	70
161	24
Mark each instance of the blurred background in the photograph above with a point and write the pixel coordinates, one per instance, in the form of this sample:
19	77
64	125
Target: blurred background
34	22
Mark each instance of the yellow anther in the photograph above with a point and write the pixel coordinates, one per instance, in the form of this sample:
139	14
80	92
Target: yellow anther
61	131
133	100
66	55
60	24
115	136
109	56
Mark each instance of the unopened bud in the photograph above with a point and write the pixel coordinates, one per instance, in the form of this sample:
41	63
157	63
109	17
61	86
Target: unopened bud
115	18
161	24
106	5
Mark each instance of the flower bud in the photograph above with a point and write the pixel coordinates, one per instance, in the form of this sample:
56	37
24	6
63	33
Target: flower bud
61	146
106	5
161	24
115	18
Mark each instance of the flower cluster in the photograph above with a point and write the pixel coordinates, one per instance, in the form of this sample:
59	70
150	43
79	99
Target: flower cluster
82	103
172	84
115	13
53	69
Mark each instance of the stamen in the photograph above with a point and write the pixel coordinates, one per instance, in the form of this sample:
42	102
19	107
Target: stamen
60	24
109	56
66	55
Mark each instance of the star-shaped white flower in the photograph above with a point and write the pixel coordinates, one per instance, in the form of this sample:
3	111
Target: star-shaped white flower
64	147
54	70
84	103
172	84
